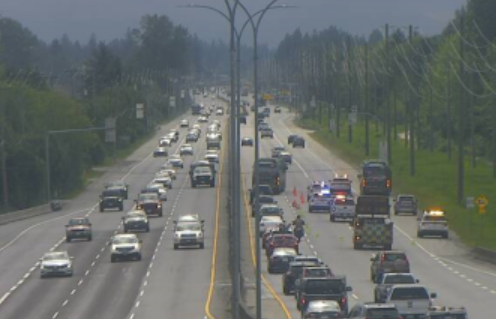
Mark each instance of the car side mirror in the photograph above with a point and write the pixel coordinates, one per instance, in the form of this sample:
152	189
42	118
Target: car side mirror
348	288
433	295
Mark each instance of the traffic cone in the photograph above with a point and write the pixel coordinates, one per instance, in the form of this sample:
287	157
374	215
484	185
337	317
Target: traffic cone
302	199
295	192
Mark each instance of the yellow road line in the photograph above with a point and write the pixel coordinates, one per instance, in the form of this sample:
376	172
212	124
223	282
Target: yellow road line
253	257
216	234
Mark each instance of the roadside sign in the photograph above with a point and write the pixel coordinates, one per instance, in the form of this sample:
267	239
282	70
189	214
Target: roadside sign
482	202
470	202
354	109
140	111
110	135
312	102
172	101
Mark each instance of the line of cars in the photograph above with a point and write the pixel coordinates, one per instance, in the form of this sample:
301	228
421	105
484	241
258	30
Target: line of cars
126	245
398	293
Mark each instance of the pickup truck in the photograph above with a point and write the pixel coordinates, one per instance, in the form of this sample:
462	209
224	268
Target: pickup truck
334	288
412	301
388	280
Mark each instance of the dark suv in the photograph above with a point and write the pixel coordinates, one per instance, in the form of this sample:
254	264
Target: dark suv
121	185
298	141
112	198
78	228
334	288
293	274
405	204
150	203
388	262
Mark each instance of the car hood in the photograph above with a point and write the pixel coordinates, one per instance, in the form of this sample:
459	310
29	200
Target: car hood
56	262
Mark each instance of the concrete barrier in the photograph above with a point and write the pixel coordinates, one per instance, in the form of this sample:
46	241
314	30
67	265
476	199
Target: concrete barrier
24	214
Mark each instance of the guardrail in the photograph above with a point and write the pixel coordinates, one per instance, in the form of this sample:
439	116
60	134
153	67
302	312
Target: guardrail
24	214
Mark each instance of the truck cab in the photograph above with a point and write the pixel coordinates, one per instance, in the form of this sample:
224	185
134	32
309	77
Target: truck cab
376	178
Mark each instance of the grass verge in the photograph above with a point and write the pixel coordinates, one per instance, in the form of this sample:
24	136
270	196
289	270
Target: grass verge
435	182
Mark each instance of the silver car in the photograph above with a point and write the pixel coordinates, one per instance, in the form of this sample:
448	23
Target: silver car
125	246
269	222
56	263
188	233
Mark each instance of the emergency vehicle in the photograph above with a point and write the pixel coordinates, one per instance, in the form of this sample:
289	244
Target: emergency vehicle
433	223
343	208
321	201
372	225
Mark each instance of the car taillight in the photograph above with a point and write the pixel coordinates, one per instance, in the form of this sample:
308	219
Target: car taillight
303	300
343	301
364	182
388	183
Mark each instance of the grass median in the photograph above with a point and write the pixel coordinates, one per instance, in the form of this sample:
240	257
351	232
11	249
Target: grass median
435	182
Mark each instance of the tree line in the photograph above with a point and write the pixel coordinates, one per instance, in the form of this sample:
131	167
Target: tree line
66	84
439	91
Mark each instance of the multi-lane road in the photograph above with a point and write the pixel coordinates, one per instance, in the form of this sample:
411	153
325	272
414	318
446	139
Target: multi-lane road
169	283
165	283
444	266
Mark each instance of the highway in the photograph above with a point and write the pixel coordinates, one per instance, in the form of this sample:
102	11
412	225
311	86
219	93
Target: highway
165	281
444	266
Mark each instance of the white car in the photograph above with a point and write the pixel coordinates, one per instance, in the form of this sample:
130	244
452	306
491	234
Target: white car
189	218
184	123
163	179
219	112
162	191
160	152
212	158
56	263
269	222
125	246
167	169
411	300
172	136
188	234
176	161
202	119
164	142
197	127
186	149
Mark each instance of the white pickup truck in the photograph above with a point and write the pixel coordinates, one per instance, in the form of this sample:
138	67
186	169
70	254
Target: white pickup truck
412	301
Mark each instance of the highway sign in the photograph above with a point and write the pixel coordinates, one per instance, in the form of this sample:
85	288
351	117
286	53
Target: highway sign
140	111
110	134
470	202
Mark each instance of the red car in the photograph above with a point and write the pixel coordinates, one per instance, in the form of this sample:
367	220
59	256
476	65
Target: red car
281	240
270	233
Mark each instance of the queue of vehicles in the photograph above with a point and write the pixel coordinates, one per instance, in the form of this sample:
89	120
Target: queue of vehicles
188	229
398	293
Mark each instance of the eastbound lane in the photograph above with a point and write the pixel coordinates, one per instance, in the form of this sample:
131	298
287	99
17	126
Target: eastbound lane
99	289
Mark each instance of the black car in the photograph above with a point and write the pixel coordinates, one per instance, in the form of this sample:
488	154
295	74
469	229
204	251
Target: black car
121	185
264	199
334	288
263	190
374	310
246	141
294	272
191	137
280	259
136	220
291	138
298	141
111	198
242	120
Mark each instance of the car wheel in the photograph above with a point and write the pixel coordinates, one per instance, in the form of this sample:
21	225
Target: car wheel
332	218
121	208
269	269
176	246
90	238
446	236
388	247
376	299
419	234
193	184
286	290
68	239
125	230
101	209
212	184
202	246
148	228
113	259
395	212
357	246
138	258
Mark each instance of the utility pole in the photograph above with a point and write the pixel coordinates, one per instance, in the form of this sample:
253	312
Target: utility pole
388	101
448	111
367	126
3	141
350	90
461	117
411	118
431	124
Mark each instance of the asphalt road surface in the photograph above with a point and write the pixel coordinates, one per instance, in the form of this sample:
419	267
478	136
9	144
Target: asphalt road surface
444	266
166	282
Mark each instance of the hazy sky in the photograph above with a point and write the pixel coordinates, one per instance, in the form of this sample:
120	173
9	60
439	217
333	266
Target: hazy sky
109	19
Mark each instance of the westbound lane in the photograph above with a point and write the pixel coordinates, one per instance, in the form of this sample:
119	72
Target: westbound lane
333	240
43	299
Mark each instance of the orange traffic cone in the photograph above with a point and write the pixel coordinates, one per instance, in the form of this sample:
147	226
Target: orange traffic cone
295	192
302	199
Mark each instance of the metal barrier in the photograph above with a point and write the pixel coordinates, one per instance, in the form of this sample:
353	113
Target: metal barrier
24	214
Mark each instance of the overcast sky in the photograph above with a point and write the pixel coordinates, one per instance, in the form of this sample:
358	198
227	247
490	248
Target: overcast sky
109	19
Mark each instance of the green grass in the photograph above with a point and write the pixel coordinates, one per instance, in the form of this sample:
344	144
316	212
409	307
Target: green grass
435	183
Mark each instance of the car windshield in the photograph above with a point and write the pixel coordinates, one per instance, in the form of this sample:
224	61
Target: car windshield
409	293
375	171
270	210
188	227
324	287
56	256
148	197
124	240
399	279
135	214
317	272
75	222
111	193
283	240
394	257
406	199
202	170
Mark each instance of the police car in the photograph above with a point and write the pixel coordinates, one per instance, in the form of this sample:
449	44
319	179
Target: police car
433	223
321	201
343	208
313	189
